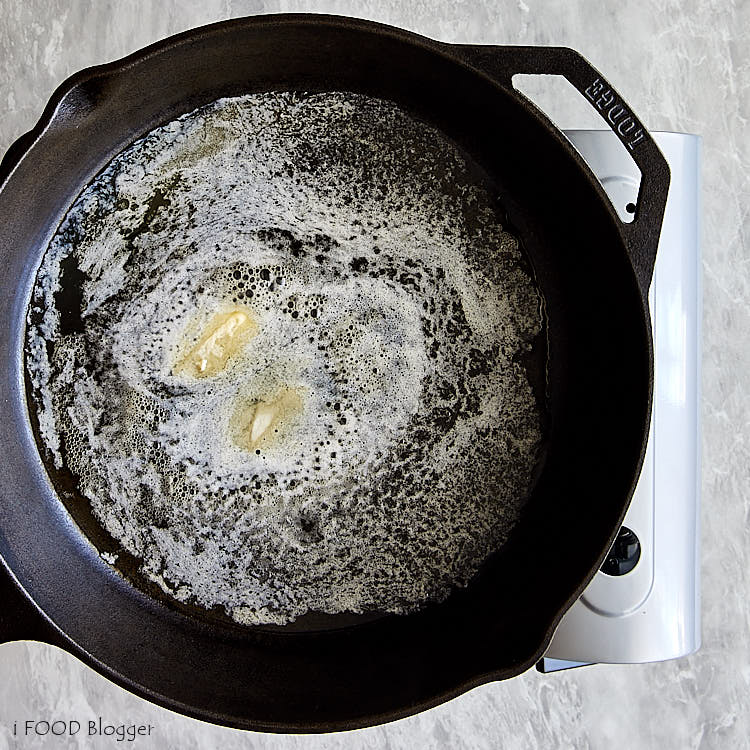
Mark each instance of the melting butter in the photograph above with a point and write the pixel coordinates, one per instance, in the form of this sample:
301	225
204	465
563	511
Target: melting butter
222	337
255	423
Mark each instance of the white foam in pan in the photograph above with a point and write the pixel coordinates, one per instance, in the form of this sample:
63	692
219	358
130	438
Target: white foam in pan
360	435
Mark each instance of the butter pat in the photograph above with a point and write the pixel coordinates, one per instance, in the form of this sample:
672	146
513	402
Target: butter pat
258	422
222	337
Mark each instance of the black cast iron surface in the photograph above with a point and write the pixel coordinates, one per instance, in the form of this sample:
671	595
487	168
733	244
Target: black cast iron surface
593	271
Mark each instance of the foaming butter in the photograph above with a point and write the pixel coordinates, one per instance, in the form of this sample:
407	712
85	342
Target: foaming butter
221	338
258	423
296	384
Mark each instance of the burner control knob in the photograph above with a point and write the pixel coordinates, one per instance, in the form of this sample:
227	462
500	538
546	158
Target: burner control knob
623	555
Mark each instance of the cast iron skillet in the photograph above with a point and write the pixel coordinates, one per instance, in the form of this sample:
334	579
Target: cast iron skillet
594	272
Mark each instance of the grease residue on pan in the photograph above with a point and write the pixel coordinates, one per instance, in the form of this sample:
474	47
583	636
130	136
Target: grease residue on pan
290	379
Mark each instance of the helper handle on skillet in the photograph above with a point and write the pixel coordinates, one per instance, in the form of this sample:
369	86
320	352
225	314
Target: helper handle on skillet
642	234
19	618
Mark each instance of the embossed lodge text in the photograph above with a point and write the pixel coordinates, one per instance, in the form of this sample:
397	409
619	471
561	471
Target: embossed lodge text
616	112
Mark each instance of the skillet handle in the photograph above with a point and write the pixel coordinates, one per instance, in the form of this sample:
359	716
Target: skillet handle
642	234
19	618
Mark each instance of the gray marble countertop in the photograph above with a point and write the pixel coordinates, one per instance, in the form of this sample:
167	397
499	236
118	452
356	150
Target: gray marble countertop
682	66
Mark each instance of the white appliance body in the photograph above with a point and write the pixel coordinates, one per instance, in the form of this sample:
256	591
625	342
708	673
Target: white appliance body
652	612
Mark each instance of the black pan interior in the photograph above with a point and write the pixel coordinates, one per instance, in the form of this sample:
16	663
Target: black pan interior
69	300
346	673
